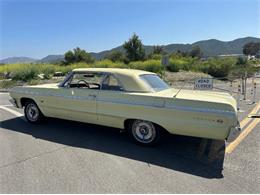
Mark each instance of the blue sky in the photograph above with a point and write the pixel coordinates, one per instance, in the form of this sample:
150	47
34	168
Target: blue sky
38	28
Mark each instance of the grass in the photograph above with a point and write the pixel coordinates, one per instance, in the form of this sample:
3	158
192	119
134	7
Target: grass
148	65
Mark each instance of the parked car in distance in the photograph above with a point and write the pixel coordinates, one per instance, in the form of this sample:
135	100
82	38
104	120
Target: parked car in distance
138	101
257	74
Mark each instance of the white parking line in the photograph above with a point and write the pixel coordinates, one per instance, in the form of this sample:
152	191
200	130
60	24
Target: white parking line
7	105
18	114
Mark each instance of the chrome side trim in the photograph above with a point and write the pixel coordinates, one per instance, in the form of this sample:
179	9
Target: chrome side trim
124	102
55	95
183	108
206	110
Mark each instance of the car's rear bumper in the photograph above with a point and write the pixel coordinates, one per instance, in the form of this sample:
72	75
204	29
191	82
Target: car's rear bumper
234	133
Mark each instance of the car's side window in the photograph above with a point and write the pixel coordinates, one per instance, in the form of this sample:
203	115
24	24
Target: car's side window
111	83
77	78
86	81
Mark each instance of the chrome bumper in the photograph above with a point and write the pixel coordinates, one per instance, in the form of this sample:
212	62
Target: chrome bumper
234	133
13	101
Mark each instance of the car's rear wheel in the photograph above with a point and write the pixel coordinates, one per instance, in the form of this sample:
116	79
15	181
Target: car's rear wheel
32	112
144	132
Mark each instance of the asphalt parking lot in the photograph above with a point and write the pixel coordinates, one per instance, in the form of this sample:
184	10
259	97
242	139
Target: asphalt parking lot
68	157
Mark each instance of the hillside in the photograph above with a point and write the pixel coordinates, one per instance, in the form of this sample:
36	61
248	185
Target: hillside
15	60
211	47
51	59
215	47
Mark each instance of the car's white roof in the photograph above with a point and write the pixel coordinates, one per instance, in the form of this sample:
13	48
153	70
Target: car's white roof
129	78
123	71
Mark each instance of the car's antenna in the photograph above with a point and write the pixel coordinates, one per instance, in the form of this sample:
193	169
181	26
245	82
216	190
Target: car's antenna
180	89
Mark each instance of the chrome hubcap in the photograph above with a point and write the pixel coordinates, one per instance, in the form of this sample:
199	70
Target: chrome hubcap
32	112
143	131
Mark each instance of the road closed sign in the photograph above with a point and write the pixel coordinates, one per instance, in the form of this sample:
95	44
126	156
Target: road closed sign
203	84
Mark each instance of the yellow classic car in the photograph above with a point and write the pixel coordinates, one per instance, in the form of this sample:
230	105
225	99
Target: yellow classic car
138	101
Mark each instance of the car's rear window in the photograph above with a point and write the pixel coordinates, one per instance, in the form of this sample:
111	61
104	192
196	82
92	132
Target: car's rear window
154	82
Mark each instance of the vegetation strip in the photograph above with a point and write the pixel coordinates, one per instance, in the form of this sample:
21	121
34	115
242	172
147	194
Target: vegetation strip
246	131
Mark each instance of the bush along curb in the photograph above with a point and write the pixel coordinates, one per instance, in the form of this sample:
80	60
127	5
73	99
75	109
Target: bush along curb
4	90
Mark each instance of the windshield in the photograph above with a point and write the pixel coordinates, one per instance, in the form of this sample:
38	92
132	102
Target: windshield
154	82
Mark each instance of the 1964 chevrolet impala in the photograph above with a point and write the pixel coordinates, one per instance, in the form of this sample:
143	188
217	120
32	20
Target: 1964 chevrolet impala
135	100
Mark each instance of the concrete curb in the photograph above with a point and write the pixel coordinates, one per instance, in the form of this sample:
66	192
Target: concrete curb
4	90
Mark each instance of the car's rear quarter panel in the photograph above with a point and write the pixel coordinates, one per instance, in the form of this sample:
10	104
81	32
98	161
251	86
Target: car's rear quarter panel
114	109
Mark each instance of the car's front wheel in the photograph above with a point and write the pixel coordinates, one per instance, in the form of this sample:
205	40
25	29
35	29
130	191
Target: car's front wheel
144	132
32	112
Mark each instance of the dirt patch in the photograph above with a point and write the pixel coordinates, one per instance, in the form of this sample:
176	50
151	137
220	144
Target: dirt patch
184	76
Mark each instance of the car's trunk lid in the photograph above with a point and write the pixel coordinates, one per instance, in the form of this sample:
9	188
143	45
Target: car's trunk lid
205	96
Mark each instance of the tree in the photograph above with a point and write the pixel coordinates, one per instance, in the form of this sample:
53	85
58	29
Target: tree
196	52
157	49
241	61
134	49
69	57
181	53
115	56
251	48
156	53
78	55
82	56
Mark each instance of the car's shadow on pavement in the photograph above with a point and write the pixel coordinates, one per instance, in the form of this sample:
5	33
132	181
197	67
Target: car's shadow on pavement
178	153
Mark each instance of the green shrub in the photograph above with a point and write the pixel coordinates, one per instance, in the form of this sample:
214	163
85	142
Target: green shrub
155	56
217	67
174	65
48	71
109	64
178	62
25	74
12	67
149	65
5	84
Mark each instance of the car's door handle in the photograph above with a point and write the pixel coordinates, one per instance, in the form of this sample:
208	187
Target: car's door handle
91	95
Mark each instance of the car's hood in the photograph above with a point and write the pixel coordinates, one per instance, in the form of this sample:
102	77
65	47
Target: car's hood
206	96
21	89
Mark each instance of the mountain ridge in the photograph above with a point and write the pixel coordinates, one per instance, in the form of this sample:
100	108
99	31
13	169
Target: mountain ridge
20	59
209	47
